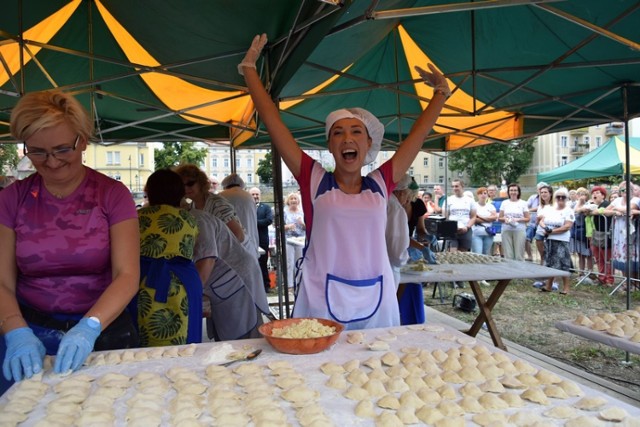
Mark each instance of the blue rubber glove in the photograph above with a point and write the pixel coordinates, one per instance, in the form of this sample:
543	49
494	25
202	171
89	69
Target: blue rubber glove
428	255
76	345
25	354
414	254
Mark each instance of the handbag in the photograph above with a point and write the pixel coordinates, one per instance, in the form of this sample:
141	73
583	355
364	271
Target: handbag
599	238
490	229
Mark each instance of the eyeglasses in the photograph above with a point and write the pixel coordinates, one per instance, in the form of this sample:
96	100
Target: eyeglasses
561	197
190	183
41	156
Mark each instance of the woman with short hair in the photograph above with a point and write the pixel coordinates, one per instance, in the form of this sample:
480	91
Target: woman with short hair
556	224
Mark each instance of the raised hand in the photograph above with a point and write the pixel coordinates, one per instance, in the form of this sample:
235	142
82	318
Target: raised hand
252	55
435	79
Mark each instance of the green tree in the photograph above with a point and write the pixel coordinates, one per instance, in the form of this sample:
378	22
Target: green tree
175	153
265	170
8	157
490	164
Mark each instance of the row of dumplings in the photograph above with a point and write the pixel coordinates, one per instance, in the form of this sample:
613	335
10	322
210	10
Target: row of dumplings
139	354
465	258
418	386
625	324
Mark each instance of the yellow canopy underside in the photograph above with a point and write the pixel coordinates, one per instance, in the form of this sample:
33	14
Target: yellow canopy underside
206	106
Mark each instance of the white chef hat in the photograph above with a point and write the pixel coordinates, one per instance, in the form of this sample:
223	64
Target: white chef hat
371	122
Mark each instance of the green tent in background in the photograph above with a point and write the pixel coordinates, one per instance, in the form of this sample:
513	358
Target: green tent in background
606	160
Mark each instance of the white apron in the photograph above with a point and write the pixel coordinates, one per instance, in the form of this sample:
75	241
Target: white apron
347	276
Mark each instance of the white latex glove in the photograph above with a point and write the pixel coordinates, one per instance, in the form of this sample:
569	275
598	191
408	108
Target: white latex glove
435	79
253	53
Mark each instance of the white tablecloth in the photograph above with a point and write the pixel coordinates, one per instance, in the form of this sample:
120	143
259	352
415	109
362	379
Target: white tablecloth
338	408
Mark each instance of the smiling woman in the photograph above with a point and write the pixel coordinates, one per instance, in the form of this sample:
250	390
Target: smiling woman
351	282
71	262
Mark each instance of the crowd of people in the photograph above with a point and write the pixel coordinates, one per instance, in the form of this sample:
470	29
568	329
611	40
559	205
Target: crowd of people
85	270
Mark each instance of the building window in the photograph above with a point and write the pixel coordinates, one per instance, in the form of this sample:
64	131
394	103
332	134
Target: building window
586	140
564	161
250	162
441	179
214	162
113	157
250	177
226	162
425	162
598	141
440	162
410	171
237	163
141	160
425	179
575	141
563	141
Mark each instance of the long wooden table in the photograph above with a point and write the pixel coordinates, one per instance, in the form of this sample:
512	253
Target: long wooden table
503	271
236	384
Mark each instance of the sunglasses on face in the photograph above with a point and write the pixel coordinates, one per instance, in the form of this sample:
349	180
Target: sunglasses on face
561	197
190	183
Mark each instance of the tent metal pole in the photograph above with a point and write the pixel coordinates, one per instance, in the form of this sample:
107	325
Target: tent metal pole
460	7
629	193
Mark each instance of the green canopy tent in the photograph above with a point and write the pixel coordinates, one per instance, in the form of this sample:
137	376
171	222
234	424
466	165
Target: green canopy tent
606	160
160	71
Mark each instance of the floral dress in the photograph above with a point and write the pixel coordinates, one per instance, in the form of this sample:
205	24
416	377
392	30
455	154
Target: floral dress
169	279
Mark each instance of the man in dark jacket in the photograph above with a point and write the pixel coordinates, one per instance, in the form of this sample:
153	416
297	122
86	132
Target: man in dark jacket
265	219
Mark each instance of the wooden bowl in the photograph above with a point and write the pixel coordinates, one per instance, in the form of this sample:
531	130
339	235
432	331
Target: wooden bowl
299	345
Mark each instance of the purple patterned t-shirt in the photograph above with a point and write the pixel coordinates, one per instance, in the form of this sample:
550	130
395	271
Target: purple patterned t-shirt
63	245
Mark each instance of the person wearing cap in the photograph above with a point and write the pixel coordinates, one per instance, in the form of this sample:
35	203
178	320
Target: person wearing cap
397	229
410	295
233	189
346	271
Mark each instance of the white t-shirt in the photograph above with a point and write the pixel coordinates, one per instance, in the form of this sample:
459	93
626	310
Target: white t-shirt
484	211
541	212
514	210
555	218
459	209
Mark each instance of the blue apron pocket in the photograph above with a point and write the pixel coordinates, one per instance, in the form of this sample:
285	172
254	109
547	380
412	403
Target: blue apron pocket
353	300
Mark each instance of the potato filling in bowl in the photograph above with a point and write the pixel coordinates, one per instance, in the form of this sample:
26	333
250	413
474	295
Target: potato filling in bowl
306	328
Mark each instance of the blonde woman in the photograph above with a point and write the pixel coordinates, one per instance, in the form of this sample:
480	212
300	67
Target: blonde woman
70	245
293	228
557	223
